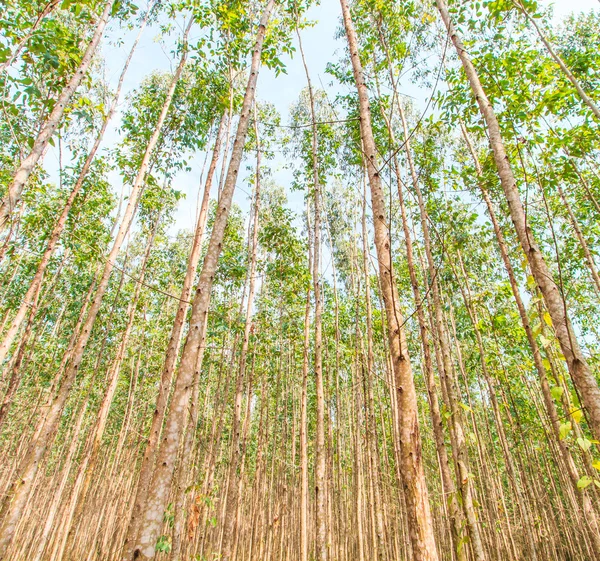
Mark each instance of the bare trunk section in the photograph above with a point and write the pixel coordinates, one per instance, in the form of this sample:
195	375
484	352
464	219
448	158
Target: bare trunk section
161	482
418	511
234	478
171	356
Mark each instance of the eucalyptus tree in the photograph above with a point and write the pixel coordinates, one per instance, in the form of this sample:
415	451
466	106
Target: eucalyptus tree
294	411
162	478
419	514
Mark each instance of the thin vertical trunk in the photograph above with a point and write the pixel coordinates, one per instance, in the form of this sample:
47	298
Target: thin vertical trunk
449	488
304	413
447	370
234	478
418	510
161	482
321	545
372	449
171	355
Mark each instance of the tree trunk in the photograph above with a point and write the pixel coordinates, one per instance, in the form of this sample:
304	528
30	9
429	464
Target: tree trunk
171	355
321	545
161	482
418	511
230	527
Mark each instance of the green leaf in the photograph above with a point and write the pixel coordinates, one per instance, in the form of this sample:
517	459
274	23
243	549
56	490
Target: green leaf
584	482
557	392
584	444
163	544
564	429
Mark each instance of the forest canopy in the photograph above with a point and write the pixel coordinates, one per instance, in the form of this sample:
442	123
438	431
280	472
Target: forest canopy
290	280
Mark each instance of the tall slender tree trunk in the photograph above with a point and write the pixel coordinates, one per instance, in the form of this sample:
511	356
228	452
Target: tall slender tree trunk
231	529
448	486
418	510
304	547
582	376
174	344
321	545
447	370
163	474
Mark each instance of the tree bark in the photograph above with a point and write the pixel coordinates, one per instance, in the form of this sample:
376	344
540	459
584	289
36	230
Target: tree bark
171	355
161	482
418	511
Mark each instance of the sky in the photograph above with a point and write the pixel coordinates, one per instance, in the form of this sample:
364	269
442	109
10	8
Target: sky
320	47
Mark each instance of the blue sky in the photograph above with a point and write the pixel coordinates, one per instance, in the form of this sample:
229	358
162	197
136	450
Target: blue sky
282	91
